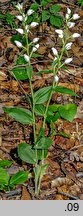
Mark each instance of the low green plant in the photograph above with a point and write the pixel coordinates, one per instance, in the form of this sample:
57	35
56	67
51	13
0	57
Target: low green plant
51	14
80	2
8	19
39	101
8	182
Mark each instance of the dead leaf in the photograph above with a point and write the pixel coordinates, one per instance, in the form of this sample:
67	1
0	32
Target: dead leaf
25	194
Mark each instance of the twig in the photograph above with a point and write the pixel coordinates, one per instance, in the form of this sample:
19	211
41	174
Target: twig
13	192
68	195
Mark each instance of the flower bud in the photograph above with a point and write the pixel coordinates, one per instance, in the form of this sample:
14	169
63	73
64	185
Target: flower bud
35	48
68	60
34	24
19	17
29	12
67	16
20	30
68	11
59	32
75	16
56	78
35	40
55	58
26	57
70	24
55	52
18	44
76	35
19	6
68	46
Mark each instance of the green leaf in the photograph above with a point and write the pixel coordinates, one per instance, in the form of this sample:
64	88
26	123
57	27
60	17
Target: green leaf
4	176
40	109
63	134
40	170
45	2
55	8
53	107
45	15
20	60
39	154
6	163
45	71
17	37
26	153
24	116
34	6
68	111
43	143
36	55
19	178
43	169
10	19
64	90
29	70
20	73
42	95
56	20
53	118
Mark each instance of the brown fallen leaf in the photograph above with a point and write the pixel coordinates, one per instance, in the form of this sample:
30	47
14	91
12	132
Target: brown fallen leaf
42	50
25	194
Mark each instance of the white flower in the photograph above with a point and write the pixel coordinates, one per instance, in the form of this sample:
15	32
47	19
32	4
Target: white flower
68	46
26	57
29	12
20	30
55	52
19	17
18	44
59	32
19	6
67	16
55	58
56	78
35	40
24	17
68	60
68	11
70	24
75	16
35	48
76	35
61	35
27	28
34	24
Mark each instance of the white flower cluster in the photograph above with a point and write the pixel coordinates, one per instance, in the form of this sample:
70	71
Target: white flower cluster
61	34
23	17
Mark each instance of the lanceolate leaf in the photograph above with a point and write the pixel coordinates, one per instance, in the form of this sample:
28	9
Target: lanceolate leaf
42	95
43	143
26	153
4	176
5	163
19	178
21	115
20	73
65	90
68	111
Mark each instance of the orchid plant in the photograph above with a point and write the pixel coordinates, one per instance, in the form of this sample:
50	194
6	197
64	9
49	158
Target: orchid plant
40	101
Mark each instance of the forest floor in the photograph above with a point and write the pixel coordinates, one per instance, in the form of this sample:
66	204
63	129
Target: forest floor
64	177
